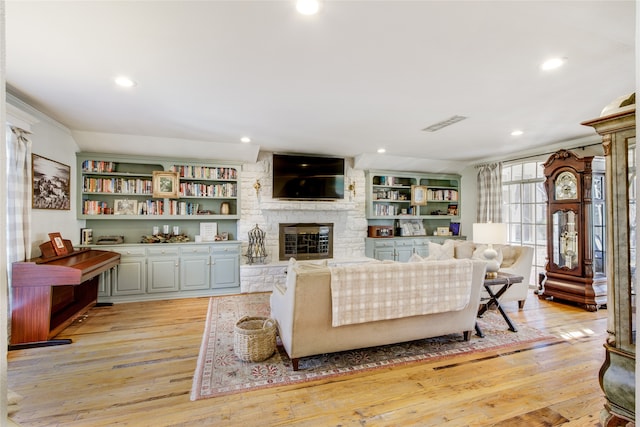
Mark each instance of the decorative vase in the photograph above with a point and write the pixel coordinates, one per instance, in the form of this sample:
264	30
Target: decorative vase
224	208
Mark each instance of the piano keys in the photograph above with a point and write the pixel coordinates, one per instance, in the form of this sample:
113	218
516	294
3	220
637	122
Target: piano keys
48	294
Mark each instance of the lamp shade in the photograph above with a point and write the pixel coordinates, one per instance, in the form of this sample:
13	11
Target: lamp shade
490	233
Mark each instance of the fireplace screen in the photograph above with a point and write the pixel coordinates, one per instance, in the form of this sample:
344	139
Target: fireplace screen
306	241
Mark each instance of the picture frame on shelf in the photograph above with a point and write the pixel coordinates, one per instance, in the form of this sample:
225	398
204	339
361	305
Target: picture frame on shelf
418	195
58	244
442	231
125	207
50	184
165	184
86	236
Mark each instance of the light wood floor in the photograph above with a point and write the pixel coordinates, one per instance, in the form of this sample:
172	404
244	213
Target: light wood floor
132	364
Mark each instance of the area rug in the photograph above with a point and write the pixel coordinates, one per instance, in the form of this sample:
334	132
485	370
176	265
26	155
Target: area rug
219	372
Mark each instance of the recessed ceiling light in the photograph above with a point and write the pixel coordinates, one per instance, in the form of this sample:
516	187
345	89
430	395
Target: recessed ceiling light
516	133
307	7
123	81
382	150
553	63
245	139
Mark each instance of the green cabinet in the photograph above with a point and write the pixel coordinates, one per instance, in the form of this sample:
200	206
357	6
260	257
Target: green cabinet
164	271
401	248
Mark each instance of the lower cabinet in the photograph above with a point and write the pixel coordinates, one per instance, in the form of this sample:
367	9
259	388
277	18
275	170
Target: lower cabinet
163	271
401	248
225	267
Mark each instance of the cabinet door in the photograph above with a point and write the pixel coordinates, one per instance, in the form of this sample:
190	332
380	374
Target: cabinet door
130	278
163	274
421	247
404	250
194	272
225	268
384	253
105	282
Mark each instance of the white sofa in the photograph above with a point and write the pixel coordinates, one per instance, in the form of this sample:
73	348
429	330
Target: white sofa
304	308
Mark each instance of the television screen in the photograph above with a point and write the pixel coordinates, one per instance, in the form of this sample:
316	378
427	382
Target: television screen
308	177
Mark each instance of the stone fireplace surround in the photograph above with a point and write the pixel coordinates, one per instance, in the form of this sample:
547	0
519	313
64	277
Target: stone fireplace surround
348	218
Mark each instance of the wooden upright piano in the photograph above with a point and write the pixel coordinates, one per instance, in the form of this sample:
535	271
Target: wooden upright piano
50	293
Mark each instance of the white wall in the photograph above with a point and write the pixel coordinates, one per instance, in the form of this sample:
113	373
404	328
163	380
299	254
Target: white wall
52	140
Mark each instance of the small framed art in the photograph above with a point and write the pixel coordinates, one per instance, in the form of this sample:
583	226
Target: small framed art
58	244
442	231
86	236
125	207
418	195
165	184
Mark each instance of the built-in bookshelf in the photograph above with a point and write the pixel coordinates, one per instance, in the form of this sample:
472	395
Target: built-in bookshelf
433	199
121	188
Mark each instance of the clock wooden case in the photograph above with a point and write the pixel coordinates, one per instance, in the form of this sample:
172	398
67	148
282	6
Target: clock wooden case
570	273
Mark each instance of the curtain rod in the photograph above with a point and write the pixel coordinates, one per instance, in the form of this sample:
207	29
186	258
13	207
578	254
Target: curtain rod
582	147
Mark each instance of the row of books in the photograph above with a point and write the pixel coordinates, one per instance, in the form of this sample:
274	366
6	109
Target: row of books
117	185
183	208
133	207
98	166
204	172
390	195
194	189
449	195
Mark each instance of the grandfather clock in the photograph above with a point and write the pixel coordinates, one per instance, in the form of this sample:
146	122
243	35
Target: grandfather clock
570	274
617	125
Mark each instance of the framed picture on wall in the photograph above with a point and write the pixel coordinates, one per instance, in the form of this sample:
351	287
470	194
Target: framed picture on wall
165	184
50	184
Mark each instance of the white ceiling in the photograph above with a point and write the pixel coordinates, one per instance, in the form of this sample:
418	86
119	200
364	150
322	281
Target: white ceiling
358	76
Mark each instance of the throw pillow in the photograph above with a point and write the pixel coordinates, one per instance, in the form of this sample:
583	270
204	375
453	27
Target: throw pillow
463	249
509	255
441	252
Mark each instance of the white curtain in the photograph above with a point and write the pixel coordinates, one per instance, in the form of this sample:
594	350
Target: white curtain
18	181
489	193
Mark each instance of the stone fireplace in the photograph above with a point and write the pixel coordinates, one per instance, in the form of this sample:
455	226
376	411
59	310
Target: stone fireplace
305	241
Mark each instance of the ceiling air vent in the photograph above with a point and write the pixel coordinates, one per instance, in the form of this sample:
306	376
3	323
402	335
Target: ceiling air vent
443	124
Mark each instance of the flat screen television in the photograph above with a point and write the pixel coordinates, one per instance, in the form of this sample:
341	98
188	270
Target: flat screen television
307	177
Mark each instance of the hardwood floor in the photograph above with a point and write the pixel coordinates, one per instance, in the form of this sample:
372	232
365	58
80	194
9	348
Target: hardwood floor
132	364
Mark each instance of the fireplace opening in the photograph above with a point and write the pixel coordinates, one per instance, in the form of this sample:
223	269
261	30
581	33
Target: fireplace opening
304	241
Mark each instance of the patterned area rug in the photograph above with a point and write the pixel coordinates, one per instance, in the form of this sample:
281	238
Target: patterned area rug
220	372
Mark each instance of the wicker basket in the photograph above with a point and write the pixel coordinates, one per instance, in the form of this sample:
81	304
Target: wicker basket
254	338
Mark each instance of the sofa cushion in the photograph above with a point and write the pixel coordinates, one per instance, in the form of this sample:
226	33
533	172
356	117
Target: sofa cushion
463	249
306	265
440	252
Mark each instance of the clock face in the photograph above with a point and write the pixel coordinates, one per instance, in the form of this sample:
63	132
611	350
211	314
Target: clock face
566	186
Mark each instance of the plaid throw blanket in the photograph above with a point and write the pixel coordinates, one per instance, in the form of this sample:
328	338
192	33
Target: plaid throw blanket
365	292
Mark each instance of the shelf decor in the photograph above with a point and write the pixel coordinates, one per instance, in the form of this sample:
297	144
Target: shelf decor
418	195
165	184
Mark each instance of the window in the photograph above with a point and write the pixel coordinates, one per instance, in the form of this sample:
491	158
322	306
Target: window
525	210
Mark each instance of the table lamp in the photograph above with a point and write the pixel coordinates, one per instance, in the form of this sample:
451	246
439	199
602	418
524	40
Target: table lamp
490	234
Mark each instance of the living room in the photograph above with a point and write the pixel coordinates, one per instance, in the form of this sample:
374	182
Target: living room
55	134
